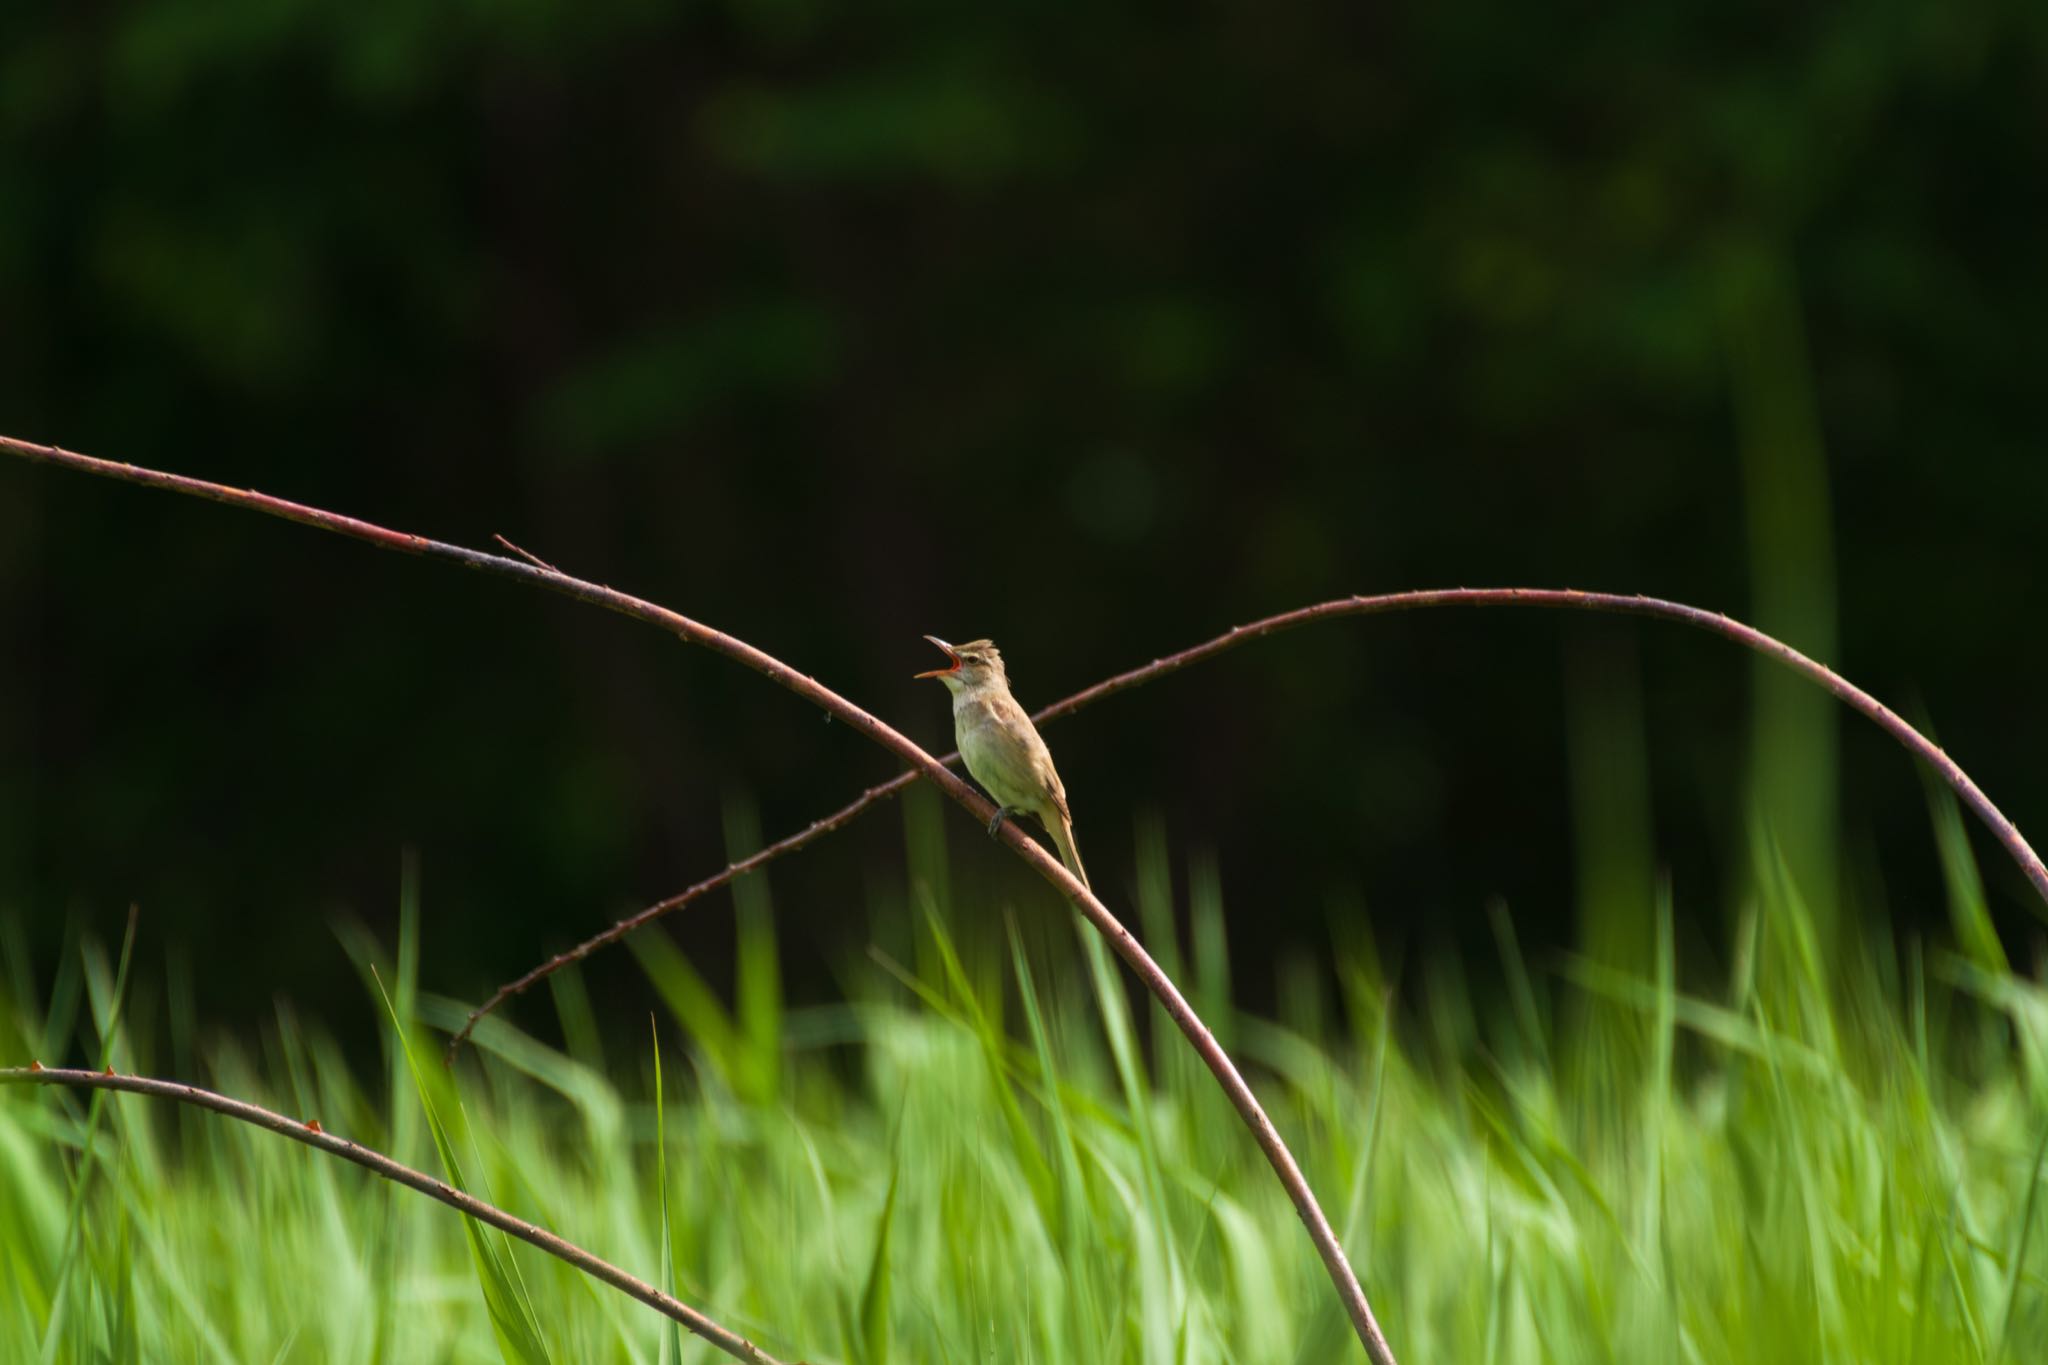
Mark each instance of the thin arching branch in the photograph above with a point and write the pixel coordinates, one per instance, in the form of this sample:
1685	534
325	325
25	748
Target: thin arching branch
312	1135
1917	744
817	829
1127	947
1611	603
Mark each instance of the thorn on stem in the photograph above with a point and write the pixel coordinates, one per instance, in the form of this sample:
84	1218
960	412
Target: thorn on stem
526	555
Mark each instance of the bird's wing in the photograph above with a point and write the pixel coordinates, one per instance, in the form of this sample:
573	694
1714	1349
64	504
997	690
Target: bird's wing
1025	756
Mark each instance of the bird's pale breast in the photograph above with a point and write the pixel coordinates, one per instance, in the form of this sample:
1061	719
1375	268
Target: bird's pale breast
1004	753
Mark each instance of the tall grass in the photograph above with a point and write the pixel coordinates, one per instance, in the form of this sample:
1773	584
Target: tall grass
989	1156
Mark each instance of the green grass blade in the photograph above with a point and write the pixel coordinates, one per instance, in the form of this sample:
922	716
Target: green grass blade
875	1290
672	1331
2019	1252
758	980
692	1004
512	1315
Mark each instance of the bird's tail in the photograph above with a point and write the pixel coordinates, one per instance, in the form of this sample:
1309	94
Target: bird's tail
1062	831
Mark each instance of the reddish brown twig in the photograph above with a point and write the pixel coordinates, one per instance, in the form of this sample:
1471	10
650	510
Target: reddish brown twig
310	1133
1916	743
1349	1292
527	555
788	844
1627	604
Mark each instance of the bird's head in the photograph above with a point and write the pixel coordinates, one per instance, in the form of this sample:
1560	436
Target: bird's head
975	665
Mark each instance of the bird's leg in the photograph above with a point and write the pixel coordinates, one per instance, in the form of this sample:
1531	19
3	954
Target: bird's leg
1002	813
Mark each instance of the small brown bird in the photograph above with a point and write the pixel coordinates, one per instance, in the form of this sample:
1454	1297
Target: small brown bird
1002	747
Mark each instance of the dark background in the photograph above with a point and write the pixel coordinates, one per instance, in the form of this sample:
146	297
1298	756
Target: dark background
1092	329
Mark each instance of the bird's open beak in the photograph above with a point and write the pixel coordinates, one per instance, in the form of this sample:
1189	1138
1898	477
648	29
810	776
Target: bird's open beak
954	667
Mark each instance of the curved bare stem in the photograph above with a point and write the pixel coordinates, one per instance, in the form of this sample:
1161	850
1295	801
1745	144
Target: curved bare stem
1612	603
312	1135
1921	747
761	858
1127	947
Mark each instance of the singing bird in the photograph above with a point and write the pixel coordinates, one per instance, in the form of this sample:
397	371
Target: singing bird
1002	747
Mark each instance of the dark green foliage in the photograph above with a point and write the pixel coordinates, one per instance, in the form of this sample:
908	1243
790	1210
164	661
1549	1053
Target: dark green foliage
1092	331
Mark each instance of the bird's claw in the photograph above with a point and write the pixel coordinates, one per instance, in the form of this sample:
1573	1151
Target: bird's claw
995	823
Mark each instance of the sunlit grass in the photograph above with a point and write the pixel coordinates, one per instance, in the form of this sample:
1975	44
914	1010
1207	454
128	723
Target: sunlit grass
1830	1155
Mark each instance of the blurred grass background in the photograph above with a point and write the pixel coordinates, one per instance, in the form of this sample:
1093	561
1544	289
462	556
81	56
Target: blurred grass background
984	1153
